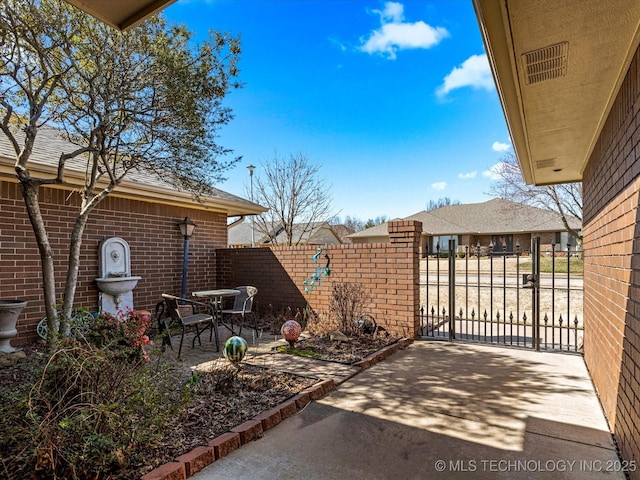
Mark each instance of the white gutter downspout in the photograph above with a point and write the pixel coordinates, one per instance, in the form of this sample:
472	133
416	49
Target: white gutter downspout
236	222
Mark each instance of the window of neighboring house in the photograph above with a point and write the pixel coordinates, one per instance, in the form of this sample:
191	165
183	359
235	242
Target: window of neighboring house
499	241
564	238
443	241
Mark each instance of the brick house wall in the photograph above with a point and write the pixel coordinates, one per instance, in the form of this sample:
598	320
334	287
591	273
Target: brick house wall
611	186
390	271
149	228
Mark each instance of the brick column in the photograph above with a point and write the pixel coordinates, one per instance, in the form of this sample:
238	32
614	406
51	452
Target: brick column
404	278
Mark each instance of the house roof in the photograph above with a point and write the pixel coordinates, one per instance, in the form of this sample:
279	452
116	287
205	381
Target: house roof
138	184
343	232
303	233
121	14
241	234
492	217
558	66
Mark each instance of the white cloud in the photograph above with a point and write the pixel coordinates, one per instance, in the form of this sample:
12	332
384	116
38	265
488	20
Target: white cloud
439	185
474	72
393	12
394	34
492	172
467	176
500	147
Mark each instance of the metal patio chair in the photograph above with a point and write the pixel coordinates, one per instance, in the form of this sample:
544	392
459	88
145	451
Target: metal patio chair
183	312
242	306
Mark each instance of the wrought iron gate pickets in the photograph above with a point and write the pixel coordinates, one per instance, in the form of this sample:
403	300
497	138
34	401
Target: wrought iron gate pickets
532	325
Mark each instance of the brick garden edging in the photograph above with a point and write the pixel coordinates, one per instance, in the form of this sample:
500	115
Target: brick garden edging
192	462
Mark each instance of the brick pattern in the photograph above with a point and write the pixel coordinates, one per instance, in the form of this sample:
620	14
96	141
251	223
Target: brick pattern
390	271
150	229
611	186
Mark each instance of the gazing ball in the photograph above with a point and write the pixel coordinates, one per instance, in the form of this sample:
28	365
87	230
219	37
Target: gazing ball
235	348
291	331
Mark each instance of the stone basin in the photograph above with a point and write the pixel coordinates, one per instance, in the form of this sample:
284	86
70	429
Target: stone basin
116	286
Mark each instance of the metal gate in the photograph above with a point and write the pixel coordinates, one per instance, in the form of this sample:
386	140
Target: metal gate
503	297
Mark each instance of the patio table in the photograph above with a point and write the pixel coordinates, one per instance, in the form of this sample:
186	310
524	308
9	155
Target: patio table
216	297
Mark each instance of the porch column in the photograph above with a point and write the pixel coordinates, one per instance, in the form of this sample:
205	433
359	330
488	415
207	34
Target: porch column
403	312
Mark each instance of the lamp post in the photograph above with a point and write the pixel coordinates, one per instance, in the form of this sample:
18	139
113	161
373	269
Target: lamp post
186	229
251	168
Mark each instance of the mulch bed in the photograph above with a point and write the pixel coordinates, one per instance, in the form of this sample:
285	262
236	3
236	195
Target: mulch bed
348	352
225	397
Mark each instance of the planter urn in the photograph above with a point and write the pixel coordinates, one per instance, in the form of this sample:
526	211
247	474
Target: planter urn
9	312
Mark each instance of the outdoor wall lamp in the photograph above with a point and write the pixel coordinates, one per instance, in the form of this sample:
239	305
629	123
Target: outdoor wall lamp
187	226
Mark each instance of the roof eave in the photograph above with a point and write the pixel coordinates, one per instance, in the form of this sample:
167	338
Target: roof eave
148	193
496	35
121	14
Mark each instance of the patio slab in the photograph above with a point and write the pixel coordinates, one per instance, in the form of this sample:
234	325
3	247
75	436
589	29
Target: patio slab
440	410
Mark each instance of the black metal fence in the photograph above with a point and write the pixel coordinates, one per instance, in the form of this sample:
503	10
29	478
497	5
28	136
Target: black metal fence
502	298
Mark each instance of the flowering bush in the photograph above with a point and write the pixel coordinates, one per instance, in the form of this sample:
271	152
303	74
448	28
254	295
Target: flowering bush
126	332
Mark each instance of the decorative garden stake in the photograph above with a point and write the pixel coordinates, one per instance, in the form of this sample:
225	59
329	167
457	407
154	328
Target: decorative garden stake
315	279
235	349
291	331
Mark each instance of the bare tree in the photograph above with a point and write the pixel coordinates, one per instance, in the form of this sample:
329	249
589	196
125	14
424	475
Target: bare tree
295	195
566	199
356	224
441	202
143	100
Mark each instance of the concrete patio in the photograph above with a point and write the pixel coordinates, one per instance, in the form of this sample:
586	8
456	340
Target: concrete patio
440	410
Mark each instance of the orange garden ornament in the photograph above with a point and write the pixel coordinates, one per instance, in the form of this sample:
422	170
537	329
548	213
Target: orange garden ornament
291	331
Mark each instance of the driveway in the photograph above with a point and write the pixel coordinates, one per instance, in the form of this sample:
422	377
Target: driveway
441	410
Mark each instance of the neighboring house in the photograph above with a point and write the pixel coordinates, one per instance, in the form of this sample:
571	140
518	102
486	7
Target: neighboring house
343	232
568	76
144	210
315	233
497	222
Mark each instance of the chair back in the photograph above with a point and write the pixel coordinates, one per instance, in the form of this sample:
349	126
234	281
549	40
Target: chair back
244	301
175	309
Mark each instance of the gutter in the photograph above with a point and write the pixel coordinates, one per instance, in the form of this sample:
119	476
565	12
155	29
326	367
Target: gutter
236	222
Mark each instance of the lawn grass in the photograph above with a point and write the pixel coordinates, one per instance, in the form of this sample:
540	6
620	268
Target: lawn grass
546	265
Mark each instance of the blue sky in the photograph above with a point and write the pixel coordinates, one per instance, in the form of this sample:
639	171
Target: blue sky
394	100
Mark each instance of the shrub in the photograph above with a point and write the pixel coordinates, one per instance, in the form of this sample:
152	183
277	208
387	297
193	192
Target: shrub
95	405
125	336
346	304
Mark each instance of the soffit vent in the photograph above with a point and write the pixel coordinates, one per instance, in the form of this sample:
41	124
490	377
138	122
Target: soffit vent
546	63
546	163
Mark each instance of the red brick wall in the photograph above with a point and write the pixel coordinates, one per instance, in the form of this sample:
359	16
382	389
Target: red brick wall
390	271
150	229
612	266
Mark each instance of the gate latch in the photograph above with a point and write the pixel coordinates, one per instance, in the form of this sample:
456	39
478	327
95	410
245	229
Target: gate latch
529	280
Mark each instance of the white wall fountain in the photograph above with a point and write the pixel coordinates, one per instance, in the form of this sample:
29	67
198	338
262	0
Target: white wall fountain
116	283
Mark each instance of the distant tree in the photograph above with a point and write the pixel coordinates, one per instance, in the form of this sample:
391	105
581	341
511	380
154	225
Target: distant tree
350	222
295	194
140	100
357	224
441	202
372	222
566	199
